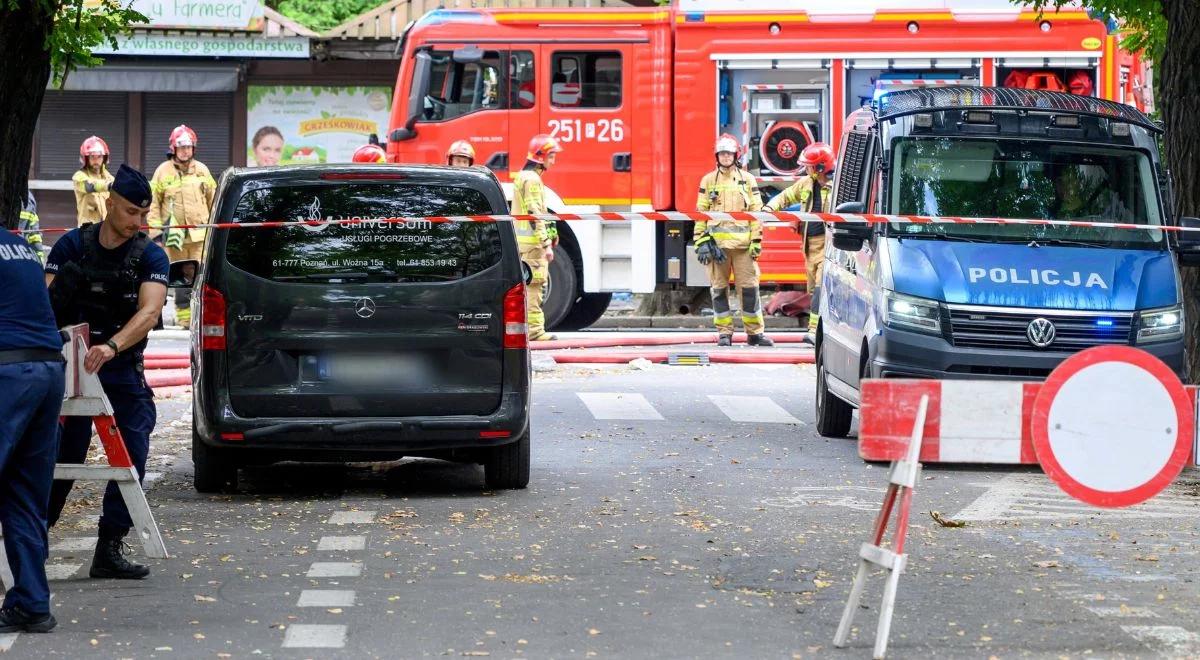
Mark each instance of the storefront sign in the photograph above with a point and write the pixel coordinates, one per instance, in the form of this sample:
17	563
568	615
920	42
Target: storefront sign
302	124
231	14
209	46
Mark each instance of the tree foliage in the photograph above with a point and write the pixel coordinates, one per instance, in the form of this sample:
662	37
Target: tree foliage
1141	21
78	29
321	15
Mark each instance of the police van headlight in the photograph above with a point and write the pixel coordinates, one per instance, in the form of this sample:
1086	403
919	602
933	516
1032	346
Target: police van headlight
1160	324
913	313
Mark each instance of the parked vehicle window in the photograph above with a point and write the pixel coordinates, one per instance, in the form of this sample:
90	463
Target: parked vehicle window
1025	179
586	79
456	89
522	84
412	251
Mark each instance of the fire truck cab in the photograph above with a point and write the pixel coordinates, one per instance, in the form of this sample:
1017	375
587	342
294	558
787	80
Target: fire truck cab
636	97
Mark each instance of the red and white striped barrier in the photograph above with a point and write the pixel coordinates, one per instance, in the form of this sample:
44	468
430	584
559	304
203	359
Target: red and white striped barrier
981	422
669	216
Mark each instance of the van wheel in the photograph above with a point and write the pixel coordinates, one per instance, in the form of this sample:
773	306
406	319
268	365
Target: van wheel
562	292
507	466
586	311
833	414
213	473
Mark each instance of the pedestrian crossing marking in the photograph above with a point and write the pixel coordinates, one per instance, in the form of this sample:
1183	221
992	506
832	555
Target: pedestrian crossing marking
758	409
335	569
351	518
333	543
6	641
61	571
314	636
1021	496
326	598
80	544
1167	640
619	405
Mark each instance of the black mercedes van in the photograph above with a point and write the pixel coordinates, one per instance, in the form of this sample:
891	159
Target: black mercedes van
359	337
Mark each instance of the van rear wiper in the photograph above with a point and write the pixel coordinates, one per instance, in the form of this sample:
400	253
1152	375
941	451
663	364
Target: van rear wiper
343	275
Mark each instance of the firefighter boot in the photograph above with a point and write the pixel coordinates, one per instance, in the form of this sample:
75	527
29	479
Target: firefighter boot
759	340
814	318
725	340
109	561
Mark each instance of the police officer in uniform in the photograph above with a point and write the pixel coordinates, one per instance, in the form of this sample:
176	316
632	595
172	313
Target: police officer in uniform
111	276
811	192
31	377
725	246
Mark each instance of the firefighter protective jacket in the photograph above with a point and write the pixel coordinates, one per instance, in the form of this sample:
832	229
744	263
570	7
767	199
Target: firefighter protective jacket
800	193
89	206
529	199
731	191
183	195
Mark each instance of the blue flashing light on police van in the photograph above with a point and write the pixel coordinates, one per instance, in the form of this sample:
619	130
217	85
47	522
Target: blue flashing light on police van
1104	323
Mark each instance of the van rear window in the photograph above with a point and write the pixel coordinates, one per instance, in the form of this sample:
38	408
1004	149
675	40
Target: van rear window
357	246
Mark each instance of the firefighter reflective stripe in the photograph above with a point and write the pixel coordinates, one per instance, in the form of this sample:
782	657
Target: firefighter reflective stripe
800	193
30	223
722	316
527	235
752	316
729	232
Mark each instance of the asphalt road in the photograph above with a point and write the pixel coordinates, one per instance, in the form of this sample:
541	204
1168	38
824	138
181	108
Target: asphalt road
665	519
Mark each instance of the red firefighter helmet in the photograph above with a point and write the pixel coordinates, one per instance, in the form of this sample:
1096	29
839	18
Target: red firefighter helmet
540	146
461	148
728	143
92	146
820	156
182	136
369	153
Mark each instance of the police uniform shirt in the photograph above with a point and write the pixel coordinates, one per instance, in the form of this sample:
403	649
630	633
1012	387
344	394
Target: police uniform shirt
26	320
154	266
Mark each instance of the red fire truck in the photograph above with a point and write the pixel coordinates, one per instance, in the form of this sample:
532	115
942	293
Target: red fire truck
637	97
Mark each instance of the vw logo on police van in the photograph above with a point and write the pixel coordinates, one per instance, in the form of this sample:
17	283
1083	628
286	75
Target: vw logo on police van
1041	332
364	307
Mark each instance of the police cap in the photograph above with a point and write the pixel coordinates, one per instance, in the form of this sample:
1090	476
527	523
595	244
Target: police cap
132	185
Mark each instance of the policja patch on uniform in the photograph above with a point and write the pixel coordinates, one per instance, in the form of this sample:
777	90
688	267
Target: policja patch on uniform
133	186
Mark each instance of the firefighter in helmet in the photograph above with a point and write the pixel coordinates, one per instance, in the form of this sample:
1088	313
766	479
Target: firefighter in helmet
92	181
460	154
369	153
731	246
536	239
30	225
811	192
183	195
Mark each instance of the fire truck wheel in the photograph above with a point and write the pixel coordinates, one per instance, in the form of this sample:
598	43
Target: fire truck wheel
586	311
561	294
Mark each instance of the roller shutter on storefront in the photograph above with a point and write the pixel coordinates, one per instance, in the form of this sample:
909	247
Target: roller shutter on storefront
67	119
210	115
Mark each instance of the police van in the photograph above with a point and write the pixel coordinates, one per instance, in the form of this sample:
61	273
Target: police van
995	301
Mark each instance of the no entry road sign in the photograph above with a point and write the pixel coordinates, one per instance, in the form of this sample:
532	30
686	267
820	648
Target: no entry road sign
1112	426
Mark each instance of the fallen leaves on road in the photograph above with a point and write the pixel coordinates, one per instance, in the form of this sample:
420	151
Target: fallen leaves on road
1146	557
1049	563
204	599
946	522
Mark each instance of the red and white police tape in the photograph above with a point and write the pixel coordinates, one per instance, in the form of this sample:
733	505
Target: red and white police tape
668	216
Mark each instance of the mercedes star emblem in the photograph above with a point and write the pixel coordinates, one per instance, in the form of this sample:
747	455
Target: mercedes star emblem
365	308
1041	332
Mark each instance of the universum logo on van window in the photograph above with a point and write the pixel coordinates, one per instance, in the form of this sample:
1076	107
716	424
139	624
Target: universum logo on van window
354	221
1047	276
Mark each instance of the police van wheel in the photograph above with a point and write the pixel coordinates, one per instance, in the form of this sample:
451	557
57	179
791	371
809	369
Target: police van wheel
211	475
833	414
507	466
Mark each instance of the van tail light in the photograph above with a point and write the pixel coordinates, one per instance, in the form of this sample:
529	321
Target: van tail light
514	318
212	319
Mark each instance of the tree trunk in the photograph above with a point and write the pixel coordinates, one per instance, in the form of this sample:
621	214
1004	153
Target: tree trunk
24	71
1179	93
666	301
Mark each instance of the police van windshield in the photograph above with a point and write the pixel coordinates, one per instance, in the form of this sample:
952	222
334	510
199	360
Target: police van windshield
363	247
1003	178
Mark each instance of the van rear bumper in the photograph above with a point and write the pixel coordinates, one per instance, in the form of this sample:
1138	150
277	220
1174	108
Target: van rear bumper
902	354
360	438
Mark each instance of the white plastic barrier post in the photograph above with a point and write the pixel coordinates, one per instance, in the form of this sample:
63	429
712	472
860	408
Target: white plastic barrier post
901	480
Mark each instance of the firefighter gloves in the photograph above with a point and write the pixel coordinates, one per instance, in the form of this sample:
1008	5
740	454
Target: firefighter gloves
708	252
755	249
